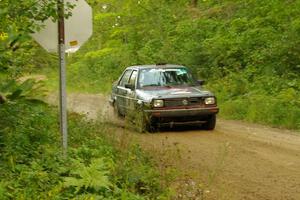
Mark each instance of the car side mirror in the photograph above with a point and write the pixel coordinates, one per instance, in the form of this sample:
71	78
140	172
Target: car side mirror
129	86
200	82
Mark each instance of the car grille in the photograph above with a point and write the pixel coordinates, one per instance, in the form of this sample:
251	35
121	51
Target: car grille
182	102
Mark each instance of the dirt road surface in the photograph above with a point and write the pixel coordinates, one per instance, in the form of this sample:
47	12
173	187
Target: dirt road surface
235	161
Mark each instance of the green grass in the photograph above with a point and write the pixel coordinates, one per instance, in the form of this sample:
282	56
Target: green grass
264	110
279	109
78	80
98	166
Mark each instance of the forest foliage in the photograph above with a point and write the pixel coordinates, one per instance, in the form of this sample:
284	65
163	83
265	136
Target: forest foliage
247	50
31	162
97	166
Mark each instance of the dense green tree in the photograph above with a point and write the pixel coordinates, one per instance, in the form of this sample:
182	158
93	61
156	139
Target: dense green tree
19	19
243	47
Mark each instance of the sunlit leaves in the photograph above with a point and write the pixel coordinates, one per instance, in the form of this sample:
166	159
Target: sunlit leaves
93	176
18	19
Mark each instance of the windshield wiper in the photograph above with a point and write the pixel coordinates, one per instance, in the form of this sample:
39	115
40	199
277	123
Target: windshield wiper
151	85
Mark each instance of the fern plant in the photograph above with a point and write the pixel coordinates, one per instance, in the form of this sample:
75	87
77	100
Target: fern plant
12	90
93	176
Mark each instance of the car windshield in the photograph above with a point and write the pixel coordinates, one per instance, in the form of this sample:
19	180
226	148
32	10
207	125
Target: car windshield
165	77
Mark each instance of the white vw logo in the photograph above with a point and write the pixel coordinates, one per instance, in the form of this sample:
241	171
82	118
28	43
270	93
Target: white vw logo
185	102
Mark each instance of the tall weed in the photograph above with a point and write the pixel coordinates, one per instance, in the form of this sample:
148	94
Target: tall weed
32	166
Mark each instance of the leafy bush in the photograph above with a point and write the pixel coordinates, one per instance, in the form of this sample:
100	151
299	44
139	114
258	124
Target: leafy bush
32	166
12	90
248	50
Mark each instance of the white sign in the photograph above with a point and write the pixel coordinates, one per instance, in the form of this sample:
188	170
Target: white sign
78	29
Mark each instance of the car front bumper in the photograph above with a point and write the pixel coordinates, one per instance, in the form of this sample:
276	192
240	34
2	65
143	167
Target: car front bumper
184	112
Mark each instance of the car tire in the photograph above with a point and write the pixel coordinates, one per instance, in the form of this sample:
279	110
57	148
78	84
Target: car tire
143	123
210	124
116	110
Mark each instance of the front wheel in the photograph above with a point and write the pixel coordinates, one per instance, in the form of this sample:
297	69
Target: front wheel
210	124
144	123
116	110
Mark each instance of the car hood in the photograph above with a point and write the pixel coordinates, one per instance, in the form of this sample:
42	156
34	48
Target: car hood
171	92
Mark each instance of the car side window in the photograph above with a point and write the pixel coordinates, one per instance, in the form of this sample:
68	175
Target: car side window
125	78
133	78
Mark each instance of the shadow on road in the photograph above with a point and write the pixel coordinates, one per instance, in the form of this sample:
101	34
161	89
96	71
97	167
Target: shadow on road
181	128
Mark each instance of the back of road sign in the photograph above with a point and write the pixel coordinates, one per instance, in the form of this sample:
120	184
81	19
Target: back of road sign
78	29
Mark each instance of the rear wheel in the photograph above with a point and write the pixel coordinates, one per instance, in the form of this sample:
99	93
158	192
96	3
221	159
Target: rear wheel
142	123
116	110
210	124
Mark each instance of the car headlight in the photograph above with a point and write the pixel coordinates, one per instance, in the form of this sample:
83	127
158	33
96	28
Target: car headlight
210	100
158	103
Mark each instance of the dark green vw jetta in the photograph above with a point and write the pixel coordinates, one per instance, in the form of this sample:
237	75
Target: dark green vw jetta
161	95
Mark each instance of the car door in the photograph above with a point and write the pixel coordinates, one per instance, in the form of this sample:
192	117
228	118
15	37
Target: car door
122	92
131	95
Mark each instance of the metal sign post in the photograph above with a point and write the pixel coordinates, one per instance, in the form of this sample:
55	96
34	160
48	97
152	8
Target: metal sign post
62	76
71	34
78	28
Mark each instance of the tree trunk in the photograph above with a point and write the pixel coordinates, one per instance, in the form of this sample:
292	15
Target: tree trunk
194	3
2	100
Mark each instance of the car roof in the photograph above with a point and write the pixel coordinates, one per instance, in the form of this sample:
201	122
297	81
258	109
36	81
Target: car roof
158	66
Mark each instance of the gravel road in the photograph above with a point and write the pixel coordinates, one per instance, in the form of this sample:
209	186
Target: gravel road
235	161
